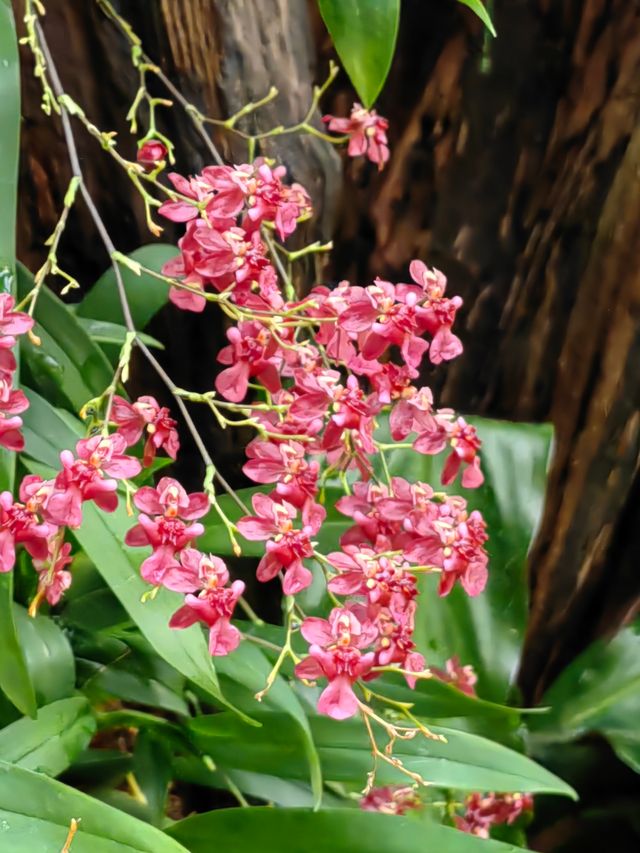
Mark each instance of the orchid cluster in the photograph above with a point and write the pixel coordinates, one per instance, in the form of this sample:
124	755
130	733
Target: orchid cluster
324	373
332	382
481	811
47	508
167	522
484	811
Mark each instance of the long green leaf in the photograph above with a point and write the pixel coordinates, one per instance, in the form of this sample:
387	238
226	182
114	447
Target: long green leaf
9	152
48	430
146	294
102	539
68	366
599	691
249	667
15	679
51	742
364	33
48	656
479	8
329	831
465	762
103	332
36	811
14	676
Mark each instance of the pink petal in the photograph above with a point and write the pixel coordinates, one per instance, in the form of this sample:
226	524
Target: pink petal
338	699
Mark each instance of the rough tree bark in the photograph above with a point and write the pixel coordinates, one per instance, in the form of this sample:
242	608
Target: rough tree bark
515	169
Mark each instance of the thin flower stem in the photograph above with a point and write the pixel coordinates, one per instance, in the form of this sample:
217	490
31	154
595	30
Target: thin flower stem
250	612
289	290
237	793
138	55
260	642
74	825
50	266
285	652
111	249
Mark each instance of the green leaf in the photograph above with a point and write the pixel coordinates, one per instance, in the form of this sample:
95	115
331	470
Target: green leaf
434	699
35	813
48	430
48	656
9	139
364	33
146	294
478	7
51	742
99	767
465	762
103	332
153	771
68	365
599	691
270	830
270	789
487	631
14	677
248	666
113	666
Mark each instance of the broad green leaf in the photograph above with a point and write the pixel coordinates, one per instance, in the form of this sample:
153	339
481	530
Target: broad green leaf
48	656
53	740
598	691
433	699
48	430
479	8
465	762
153	771
116	681
103	332
364	33
14	677
248	666
68	366
270	789
9	140
487	630
111	665
270	830
35	813
94	610
99	767
146	294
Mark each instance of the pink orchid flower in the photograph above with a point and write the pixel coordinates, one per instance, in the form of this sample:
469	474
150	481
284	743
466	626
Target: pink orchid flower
286	547
146	415
252	351
367	133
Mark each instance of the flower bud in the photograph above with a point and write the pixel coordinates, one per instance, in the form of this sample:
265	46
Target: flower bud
150	153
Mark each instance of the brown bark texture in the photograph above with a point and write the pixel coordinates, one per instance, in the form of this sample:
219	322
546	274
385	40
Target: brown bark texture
515	169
